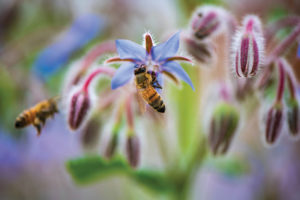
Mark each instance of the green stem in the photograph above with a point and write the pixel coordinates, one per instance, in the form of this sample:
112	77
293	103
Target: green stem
184	175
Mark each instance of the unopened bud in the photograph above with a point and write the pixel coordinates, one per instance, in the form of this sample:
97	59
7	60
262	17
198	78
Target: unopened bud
293	116
113	143
91	132
223	126
207	21
133	150
202	51
273	123
79	108
248	47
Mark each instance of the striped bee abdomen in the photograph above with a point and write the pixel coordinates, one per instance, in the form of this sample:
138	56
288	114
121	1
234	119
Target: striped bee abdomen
24	119
153	99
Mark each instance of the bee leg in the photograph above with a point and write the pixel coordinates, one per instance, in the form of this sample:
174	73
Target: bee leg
43	120
155	84
37	125
38	128
154	81
56	110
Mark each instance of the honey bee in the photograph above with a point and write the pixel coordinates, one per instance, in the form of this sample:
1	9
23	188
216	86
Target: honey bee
38	114
146	83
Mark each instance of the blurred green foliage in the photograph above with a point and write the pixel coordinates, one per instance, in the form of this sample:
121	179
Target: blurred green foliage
93	168
230	166
9	98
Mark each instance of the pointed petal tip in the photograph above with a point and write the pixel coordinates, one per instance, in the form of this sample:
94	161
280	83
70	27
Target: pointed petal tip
113	86
130	50
166	49
192	86
174	67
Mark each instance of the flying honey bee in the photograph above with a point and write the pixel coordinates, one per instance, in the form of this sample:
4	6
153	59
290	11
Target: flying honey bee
146	83
38	114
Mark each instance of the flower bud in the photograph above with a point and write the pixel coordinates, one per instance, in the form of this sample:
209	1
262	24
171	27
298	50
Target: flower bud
273	123
248	47
112	146
79	107
91	133
133	150
293	116
223	126
206	21
113	143
202	51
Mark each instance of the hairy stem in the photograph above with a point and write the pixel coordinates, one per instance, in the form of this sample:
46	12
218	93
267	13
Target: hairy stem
92	55
281	74
101	70
283	46
280	24
129	113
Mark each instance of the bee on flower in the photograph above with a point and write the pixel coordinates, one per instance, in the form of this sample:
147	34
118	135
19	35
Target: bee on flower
148	64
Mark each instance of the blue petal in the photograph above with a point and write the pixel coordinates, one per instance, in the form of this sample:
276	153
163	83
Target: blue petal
122	75
129	49
160	80
174	68
166	49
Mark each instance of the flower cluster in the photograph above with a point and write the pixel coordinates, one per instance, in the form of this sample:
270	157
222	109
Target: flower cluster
257	70
249	59
159	60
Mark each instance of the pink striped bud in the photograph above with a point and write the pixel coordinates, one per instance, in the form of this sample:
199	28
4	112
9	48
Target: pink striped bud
133	150
248	47
273	123
207	21
79	108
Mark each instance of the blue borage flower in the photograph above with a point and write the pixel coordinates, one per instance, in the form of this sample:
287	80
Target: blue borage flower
160	58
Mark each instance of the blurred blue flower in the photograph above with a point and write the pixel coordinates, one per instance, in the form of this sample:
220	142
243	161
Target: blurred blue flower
160	57
53	57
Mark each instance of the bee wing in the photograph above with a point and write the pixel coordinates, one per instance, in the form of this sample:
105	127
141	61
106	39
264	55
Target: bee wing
54	101
141	102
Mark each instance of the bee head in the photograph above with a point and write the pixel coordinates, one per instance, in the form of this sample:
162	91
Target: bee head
20	122
139	70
